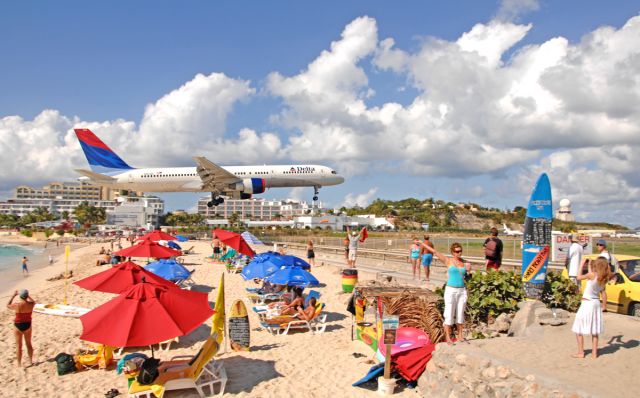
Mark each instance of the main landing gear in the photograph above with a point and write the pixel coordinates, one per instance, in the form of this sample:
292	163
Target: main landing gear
316	191
215	200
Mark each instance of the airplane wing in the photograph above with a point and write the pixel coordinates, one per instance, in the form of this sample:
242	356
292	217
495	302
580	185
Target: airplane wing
97	177
213	176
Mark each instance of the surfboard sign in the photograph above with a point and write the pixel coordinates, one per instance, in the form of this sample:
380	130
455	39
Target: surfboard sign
239	331
536	241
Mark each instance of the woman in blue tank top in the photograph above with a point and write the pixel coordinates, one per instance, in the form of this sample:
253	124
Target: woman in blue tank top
455	293
414	257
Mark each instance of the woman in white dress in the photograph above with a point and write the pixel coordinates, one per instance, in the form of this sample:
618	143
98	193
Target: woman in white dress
589	316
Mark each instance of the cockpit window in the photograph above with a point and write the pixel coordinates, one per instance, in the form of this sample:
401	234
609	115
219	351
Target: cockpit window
334	172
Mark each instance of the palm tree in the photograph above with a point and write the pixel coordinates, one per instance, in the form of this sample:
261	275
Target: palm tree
87	214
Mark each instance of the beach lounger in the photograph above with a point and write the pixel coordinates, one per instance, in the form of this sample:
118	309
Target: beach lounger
316	325
188	251
261	299
100	359
201	372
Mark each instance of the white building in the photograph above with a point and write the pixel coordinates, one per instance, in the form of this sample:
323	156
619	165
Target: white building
65	190
564	211
256	209
136	212
22	206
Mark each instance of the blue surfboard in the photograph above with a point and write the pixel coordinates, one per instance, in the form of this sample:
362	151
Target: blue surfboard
536	241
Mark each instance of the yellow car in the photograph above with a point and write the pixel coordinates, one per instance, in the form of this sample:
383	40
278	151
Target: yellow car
623	292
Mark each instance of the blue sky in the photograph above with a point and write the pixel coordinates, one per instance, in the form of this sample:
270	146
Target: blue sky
105	64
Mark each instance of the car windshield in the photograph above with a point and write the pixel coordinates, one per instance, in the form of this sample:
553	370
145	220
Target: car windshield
631	268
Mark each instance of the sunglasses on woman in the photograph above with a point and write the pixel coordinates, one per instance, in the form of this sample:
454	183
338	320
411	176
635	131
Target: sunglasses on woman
457	251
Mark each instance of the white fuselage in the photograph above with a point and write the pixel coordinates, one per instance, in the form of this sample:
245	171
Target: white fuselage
186	179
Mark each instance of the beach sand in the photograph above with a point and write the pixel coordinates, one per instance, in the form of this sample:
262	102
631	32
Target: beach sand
302	364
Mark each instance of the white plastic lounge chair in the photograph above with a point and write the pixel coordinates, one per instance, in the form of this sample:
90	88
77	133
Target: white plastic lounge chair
201	372
316	325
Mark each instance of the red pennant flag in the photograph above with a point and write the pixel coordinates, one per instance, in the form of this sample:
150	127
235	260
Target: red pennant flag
364	234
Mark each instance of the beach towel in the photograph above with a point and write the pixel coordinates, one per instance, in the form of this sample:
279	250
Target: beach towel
411	364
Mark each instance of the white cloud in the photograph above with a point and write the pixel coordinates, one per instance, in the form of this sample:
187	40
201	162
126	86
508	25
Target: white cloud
512	10
361	200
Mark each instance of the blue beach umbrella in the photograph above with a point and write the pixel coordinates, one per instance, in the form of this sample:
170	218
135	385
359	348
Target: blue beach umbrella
181	238
262	267
293	276
168	269
173	245
250	238
294	261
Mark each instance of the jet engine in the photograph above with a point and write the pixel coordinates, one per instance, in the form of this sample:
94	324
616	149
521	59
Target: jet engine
251	186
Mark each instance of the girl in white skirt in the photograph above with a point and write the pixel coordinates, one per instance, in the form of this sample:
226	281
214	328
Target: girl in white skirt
589	316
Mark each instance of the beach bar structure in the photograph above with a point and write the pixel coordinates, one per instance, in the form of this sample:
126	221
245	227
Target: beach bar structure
416	308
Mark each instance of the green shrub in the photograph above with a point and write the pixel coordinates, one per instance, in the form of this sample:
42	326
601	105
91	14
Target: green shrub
27	232
48	233
493	293
560	292
60	232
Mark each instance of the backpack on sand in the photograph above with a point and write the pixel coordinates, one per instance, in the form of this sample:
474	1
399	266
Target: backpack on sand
490	249
148	371
65	364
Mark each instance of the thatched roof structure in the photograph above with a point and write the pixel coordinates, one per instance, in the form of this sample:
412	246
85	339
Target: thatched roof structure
416	307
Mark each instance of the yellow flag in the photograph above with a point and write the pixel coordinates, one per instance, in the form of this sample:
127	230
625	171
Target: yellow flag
219	316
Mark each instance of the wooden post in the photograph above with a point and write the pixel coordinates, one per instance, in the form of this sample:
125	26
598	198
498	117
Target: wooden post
387	362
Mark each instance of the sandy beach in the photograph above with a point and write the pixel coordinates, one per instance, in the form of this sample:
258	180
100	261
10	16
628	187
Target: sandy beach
310	365
303	364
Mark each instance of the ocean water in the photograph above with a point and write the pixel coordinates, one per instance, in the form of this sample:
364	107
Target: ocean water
11	256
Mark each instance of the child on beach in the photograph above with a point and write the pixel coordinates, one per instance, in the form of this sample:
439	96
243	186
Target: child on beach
589	316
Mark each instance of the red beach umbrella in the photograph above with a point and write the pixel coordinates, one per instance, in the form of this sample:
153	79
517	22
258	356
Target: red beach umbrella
145	314
148	248
121	277
235	241
157	235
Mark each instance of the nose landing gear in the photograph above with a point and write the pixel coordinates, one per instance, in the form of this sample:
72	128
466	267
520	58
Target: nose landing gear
215	200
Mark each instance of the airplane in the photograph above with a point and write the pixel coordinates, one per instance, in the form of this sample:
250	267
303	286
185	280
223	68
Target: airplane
510	232
237	182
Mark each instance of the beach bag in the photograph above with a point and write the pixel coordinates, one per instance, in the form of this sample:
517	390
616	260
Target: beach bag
148	371
490	248
65	364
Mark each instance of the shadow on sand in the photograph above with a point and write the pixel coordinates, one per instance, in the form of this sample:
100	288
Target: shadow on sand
335	316
616	343
245	373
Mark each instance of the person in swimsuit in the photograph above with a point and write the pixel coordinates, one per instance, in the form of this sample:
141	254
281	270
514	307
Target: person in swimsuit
414	257
307	314
25	270
311	255
215	243
22	322
455	293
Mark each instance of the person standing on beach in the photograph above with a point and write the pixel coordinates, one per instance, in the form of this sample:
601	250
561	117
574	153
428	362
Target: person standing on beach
426	257
414	256
575	259
601	246
455	293
25	269
353	248
311	254
588	319
493	251
215	244
22	323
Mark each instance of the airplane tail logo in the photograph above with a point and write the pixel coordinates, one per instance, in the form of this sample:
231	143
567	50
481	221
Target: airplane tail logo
100	157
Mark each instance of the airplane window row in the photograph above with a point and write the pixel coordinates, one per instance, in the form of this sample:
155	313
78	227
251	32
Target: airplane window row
169	175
